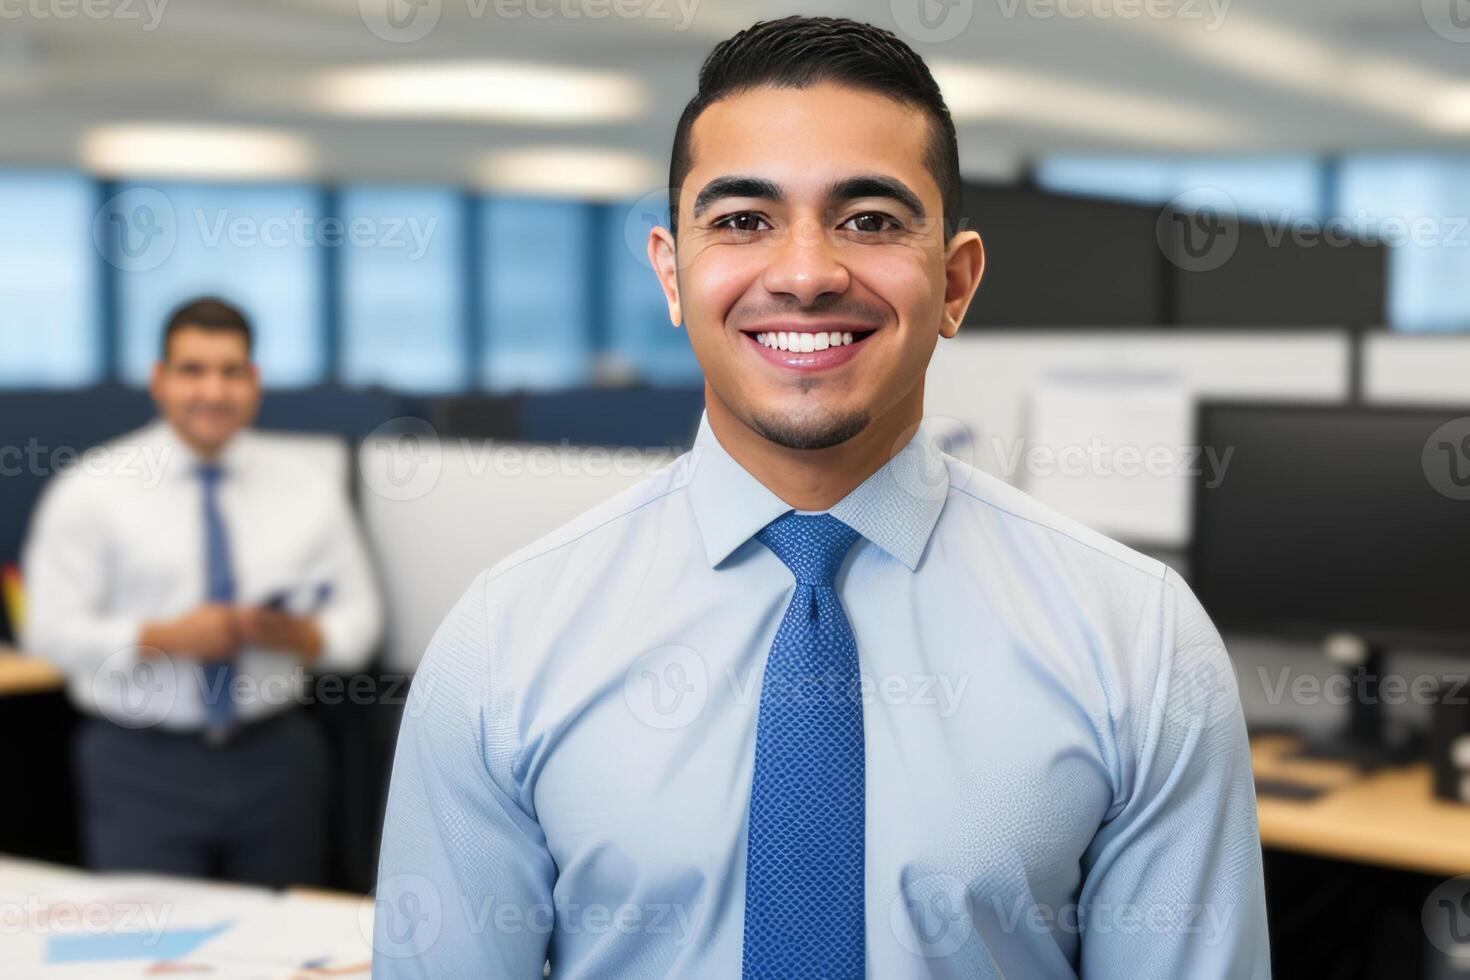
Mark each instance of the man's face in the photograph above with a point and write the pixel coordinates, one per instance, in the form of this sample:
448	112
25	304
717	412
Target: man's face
207	387
808	212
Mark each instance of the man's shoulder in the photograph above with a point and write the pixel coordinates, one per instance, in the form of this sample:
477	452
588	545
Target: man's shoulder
981	495
134	459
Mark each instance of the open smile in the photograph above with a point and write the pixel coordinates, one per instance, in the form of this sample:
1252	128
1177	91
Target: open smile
804	348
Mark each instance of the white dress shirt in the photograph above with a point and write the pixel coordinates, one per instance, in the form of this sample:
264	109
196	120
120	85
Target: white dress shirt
1058	776
118	541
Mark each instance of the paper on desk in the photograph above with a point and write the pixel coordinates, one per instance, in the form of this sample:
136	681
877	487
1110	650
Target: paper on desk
291	933
110	925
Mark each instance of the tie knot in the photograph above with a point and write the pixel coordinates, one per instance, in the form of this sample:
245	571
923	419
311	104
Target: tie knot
811	545
210	473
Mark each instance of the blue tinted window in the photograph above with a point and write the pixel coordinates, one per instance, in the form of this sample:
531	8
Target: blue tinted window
640	338
259	247
50	330
536	280
1419	207
1264	190
403	288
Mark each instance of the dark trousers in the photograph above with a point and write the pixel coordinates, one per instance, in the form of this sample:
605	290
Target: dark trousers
250	810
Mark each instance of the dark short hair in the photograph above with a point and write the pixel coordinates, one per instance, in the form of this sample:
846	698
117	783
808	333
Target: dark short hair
208	313
797	52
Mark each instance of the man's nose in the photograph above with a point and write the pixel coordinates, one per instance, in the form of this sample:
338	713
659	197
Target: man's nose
213	387
805	265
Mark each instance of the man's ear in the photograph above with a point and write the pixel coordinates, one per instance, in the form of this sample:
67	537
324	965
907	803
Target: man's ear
155	381
964	265
665	262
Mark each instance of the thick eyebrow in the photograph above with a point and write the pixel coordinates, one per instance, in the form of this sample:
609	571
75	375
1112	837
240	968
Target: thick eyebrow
853	188
722	187
847	189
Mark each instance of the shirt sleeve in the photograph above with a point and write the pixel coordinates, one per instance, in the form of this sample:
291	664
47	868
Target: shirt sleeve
465	877
65	565
1173	884
351	622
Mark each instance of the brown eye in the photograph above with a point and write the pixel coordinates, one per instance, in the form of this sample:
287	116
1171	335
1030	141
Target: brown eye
869	222
742	221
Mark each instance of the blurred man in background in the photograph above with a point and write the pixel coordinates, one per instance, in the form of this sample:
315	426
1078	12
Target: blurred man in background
185	581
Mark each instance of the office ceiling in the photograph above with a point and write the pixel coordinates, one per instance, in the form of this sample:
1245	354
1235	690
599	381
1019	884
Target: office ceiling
1231	76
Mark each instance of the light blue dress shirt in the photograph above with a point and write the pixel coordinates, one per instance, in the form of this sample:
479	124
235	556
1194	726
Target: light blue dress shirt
1058	777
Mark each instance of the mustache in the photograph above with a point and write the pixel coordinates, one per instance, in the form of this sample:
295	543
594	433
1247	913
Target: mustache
837	307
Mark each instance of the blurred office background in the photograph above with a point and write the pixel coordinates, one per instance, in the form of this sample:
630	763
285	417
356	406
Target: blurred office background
435	212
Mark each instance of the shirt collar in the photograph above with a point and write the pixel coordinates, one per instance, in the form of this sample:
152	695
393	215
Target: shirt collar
895	508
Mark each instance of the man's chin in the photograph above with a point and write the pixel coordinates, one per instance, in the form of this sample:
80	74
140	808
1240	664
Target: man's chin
812	431
208	439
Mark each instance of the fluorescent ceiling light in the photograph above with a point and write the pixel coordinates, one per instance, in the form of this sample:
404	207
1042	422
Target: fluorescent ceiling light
508	92
1258	49
994	93
168	150
569	171
1451	111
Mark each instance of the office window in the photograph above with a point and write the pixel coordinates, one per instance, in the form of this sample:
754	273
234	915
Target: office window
1265	190
260	247
402	288
536	281
1417	206
640	337
50	326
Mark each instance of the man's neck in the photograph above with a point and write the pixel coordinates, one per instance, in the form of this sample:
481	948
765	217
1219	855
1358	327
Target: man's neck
204	453
816	479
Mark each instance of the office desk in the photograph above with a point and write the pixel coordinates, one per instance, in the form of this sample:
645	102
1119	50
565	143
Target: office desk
1388	818
26	675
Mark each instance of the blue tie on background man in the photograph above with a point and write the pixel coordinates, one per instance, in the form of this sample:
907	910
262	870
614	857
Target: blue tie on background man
218	676
804	859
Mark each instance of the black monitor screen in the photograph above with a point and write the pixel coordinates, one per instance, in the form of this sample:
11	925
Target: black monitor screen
1350	519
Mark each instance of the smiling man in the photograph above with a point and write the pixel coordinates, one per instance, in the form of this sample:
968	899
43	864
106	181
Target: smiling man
698	731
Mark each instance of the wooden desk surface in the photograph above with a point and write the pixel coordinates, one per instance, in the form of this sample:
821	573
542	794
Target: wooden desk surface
26	675
1389	817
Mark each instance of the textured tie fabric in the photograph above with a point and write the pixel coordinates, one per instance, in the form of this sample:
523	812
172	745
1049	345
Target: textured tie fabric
219	705
804	856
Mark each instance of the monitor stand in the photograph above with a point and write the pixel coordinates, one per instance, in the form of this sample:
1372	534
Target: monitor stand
1366	740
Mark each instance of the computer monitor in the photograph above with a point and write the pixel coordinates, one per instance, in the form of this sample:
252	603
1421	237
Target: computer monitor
1322	521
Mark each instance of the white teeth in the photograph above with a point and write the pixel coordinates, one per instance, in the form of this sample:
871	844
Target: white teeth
803	342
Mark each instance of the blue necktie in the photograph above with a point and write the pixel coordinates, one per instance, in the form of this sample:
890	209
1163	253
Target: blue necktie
804	857
219	705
